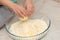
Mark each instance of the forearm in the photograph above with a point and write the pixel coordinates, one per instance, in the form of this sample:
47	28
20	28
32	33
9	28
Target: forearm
6	3
29	0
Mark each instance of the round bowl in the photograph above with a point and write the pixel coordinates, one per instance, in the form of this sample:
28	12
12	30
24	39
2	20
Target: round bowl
35	37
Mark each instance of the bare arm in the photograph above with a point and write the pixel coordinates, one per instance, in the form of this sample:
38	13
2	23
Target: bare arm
19	10
29	0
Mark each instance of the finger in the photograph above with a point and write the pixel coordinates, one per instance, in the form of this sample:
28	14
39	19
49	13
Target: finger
24	11
25	6
29	10
17	13
20	9
15	9
29	13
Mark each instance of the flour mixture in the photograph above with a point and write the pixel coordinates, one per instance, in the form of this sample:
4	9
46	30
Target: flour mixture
29	28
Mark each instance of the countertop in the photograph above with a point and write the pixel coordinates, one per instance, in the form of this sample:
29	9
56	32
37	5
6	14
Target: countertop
52	10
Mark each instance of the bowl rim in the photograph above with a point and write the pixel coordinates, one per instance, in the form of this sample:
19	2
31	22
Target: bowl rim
30	36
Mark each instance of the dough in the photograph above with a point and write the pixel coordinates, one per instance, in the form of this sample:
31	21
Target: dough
29	28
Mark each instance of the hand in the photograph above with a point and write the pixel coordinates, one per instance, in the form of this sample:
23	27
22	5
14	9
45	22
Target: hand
19	10
29	6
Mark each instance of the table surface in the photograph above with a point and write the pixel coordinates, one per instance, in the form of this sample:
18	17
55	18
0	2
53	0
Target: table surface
50	9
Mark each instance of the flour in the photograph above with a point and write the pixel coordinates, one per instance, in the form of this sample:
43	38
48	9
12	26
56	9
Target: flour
29	28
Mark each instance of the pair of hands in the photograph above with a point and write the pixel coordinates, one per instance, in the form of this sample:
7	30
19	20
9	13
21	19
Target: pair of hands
20	11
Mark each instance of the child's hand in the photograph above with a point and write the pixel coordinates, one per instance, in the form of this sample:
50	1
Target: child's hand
20	11
29	6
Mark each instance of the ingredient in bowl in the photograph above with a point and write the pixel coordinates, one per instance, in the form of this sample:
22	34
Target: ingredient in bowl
24	19
29	28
